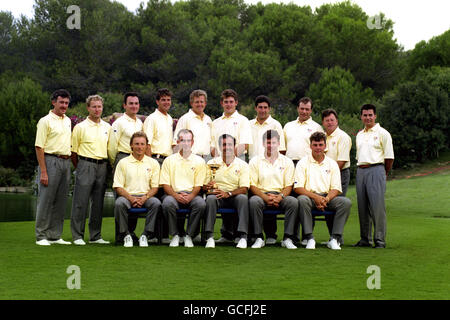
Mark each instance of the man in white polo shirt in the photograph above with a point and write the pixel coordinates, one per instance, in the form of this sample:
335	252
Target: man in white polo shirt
375	156
53	153
123	128
159	127
89	157
297	132
318	183
232	123
199	123
136	182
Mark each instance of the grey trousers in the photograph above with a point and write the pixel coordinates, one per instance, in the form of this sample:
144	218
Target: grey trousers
341	205
370	190
170	206
121	215
52	199
345	180
290	207
238	202
89	186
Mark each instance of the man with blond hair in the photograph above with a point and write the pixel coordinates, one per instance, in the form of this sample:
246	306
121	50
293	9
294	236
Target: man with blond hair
89	158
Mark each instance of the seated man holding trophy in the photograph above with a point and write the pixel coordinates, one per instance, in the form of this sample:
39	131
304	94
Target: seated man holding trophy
226	183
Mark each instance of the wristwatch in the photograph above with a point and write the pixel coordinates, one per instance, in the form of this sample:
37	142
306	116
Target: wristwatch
229	193
282	195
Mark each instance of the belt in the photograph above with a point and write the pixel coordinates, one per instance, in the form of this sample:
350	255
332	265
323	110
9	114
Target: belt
57	156
157	156
120	152
97	161
365	166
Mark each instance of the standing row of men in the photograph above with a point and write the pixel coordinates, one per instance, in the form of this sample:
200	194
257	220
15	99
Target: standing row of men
93	137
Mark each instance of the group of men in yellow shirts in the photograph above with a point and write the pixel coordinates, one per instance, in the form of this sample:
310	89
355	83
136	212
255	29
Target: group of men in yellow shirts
201	166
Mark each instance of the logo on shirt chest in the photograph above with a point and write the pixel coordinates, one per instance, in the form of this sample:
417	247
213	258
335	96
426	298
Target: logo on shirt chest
309	130
327	171
281	168
237	171
235	123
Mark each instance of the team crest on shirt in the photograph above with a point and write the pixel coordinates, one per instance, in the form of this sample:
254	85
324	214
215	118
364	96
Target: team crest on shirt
334	143
282	168
193	168
309	130
235	123
375	138
237	171
327	171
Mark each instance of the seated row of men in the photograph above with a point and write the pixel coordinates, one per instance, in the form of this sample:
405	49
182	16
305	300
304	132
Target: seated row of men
271	180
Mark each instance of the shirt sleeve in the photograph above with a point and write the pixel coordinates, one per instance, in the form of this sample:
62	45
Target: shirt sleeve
41	133
335	177
244	178
148	128
154	180
388	147
344	146
253	172
164	177
113	141
200	175
119	176
245	133
300	175
289	174
75	138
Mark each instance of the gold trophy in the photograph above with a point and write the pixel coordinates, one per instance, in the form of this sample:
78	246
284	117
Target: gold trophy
214	167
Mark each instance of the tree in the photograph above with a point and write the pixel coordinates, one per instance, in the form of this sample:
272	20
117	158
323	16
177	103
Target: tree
338	89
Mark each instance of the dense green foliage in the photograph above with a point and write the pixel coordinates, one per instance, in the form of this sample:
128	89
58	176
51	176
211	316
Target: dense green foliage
284	51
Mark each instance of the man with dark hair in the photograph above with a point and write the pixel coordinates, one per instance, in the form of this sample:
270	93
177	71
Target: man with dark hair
89	157
199	122
339	144
53	152
318	183
123	128
375	156
261	124
232	123
136	182
271	180
297	132
159	127
229	190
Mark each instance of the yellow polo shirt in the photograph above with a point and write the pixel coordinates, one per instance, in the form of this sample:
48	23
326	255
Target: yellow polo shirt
258	130
119	138
232	177
297	137
236	125
53	134
201	127
159	130
90	139
183	174
373	145
339	144
317	177
137	177
271	177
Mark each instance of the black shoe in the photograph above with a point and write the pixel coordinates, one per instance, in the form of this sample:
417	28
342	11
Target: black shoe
379	245
362	243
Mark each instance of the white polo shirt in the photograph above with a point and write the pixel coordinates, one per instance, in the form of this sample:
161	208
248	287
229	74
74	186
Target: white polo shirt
258	130
236	125
373	146
297	137
201	127
339	144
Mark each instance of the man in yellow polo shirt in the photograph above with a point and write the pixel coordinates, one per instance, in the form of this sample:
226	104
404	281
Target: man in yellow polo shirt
228	190
123	128
232	123
159	127
136	182
53	153
297	132
89	157
182	177
199	123
271	180
375	156
318	183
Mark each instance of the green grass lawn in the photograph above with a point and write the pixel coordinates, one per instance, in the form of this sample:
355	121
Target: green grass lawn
413	266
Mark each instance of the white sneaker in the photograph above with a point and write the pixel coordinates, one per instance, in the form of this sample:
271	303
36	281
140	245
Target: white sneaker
223	240
333	244
175	242
153	240
43	242
128	242
304	242
60	241
143	241
165	241
271	241
100	241
197	239
311	244
188	242
259	243
210	243
242	244
79	242
288	244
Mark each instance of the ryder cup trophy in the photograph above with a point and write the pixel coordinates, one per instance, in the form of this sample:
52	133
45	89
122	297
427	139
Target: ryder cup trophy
214	167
